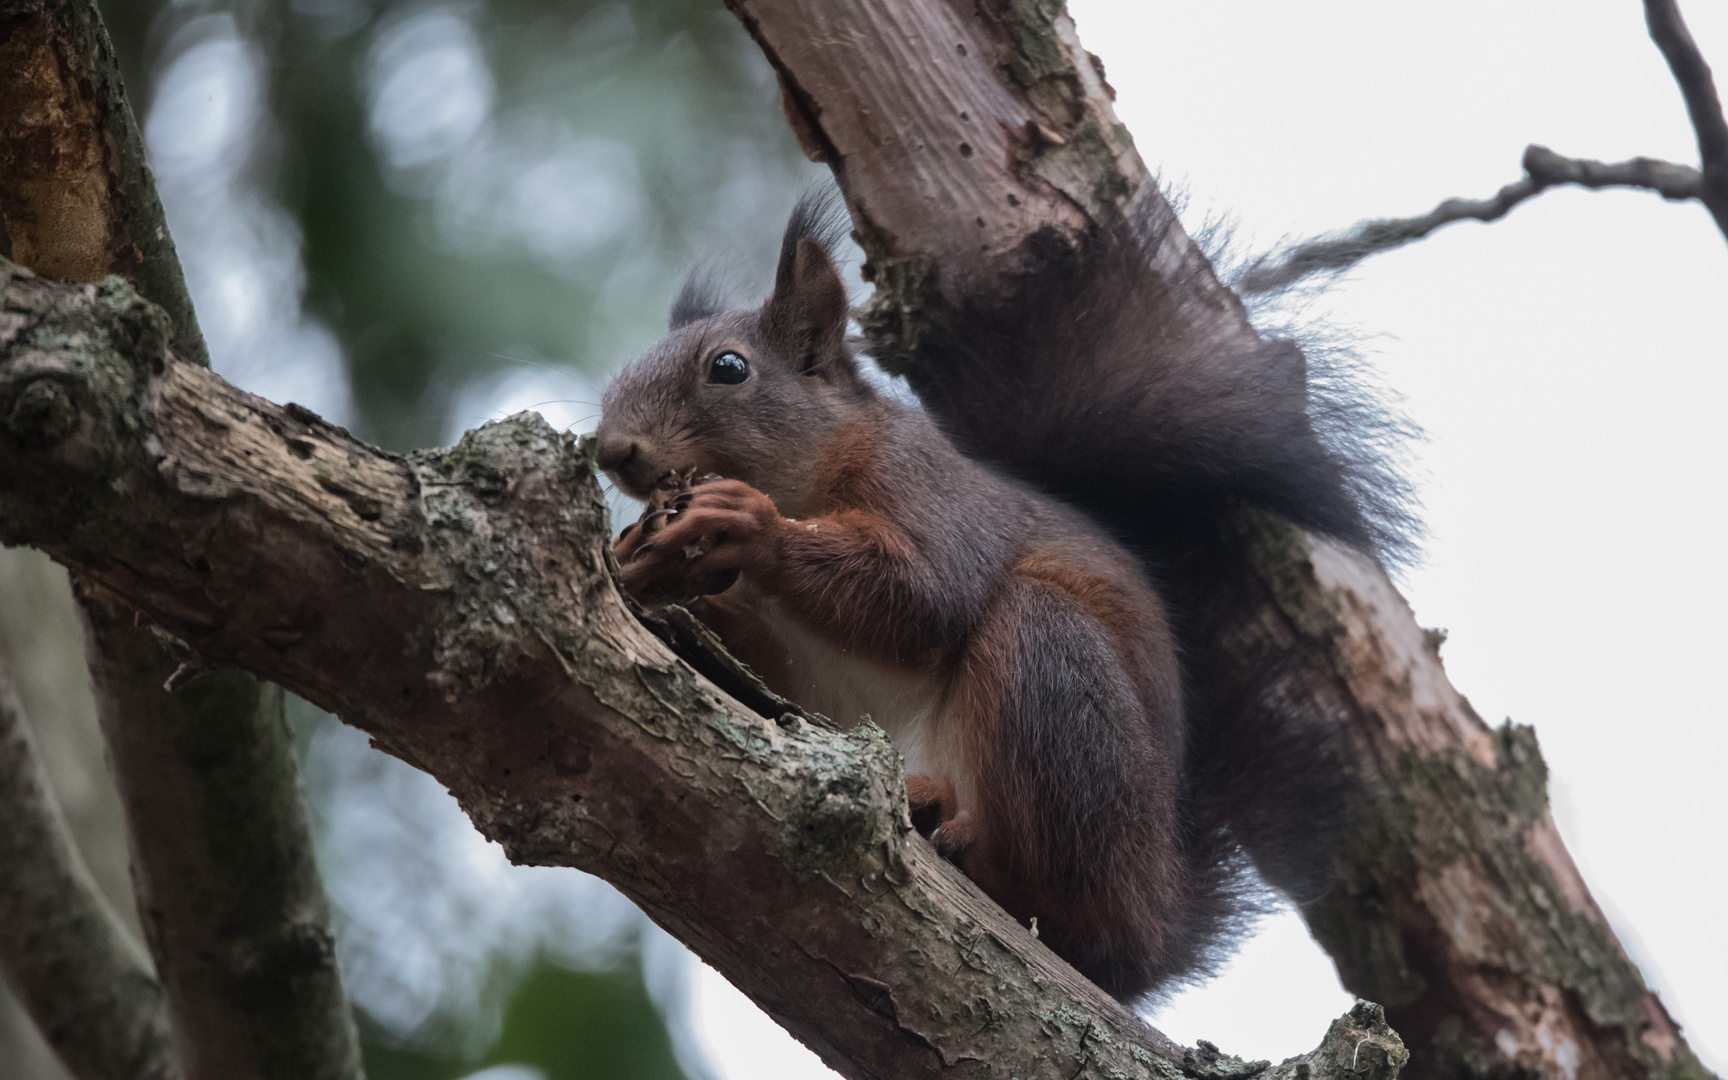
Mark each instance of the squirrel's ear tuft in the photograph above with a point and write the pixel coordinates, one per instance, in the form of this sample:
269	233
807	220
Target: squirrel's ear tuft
700	297
820	217
809	296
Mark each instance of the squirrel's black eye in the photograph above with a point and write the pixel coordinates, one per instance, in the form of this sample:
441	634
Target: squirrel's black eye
728	368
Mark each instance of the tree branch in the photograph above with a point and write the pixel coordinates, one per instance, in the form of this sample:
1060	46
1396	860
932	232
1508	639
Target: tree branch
1489	953
1543	169
935	116
460	606
227	889
229	894
1668	30
85	981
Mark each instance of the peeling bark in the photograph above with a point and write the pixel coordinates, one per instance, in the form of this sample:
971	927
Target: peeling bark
956	132
76	196
460	606
1459	907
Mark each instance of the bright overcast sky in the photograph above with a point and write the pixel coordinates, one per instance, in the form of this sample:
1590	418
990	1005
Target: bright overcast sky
1569	367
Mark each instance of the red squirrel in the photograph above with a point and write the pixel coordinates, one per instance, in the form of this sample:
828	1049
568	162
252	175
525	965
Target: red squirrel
965	586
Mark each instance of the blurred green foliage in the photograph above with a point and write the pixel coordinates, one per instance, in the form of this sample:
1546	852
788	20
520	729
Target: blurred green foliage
572	1025
424	308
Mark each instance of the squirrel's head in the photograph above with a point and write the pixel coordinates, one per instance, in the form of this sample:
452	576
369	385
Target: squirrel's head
747	394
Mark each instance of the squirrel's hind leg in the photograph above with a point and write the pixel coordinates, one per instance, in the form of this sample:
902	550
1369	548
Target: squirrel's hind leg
1077	777
936	814
933	801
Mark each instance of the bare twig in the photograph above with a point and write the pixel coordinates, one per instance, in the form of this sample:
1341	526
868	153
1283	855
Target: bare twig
1667	179
1668	30
1543	169
85	982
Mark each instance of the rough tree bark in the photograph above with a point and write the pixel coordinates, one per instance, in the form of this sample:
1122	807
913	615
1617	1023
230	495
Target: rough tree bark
229	895
76	198
958	133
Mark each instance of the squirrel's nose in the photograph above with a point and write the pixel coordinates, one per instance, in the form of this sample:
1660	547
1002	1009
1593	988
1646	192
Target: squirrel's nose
615	450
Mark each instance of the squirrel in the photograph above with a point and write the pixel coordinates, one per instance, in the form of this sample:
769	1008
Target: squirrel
1002	579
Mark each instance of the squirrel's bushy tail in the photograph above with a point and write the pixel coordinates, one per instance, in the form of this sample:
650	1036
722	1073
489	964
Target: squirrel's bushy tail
1097	381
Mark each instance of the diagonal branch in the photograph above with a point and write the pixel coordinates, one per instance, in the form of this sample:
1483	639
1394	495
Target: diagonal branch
83	978
1668	30
460	606
227	888
1543	169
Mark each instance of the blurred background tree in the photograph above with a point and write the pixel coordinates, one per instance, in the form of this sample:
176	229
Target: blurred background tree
413	216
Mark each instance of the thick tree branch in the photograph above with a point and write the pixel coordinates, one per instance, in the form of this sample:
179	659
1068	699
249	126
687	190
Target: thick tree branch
228	891
934	115
85	981
229	895
460	606
1543	169
1668	30
1459	906
1488	951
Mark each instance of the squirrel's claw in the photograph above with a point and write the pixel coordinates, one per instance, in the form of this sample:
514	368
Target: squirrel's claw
695	542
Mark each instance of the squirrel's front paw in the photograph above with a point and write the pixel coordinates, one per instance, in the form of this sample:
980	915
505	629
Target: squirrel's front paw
694	539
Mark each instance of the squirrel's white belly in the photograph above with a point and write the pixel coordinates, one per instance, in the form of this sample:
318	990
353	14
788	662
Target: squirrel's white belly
911	707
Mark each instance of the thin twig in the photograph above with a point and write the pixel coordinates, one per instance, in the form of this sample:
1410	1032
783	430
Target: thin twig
1543	169
1692	73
